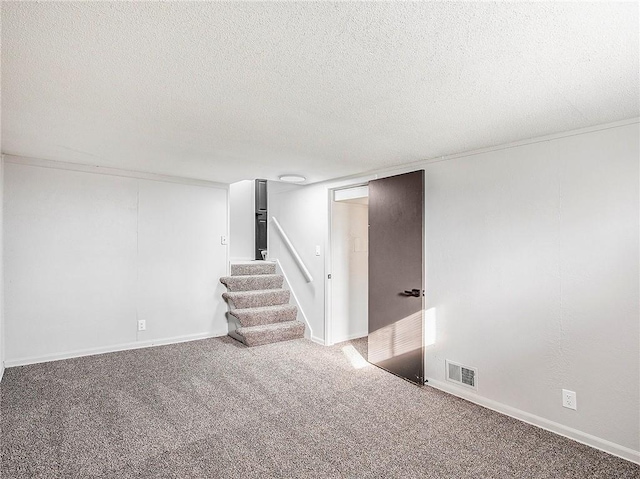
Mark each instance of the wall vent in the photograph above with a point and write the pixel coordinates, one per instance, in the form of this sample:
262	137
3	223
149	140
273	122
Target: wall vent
463	375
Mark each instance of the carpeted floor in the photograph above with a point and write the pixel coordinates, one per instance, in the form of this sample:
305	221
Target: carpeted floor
216	409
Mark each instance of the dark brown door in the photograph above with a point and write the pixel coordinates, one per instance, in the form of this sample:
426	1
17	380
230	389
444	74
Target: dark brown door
396	248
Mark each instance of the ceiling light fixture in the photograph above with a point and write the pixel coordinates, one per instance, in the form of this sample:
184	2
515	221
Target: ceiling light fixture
292	178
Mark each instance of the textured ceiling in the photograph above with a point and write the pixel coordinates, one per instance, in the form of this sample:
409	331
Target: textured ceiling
226	91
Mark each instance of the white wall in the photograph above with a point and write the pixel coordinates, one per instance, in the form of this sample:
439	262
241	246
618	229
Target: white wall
349	272
181	259
87	255
242	220
532	266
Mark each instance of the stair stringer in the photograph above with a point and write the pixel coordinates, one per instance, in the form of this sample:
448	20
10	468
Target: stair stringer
308	332
233	324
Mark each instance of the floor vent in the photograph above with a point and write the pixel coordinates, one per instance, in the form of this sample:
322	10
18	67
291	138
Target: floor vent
463	375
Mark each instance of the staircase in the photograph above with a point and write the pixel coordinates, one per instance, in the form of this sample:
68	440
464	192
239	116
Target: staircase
259	309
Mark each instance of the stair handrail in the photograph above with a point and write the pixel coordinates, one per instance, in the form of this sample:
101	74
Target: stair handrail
293	250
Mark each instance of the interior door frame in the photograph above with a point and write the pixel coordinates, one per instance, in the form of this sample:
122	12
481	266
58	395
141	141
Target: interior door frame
328	303
352	183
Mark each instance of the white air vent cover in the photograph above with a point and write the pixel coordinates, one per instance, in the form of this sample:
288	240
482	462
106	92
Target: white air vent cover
463	375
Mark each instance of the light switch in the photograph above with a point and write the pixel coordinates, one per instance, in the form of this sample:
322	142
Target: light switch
317	250
223	240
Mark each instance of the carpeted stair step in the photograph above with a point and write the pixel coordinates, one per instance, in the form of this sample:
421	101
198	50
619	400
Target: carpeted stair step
252	282
257	299
259	310
248	269
270	333
265	315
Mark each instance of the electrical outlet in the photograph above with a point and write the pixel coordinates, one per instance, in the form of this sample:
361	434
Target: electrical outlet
142	325
569	399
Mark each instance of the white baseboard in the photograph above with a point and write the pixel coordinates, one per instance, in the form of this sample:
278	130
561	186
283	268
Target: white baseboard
112	349
1	370
317	340
557	428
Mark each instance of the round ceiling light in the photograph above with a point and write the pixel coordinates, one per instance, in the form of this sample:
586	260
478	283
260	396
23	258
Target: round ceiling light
292	178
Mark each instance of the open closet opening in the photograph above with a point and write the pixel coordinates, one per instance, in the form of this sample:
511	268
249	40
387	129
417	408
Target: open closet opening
349	264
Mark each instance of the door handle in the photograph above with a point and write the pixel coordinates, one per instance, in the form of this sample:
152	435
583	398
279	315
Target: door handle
413	292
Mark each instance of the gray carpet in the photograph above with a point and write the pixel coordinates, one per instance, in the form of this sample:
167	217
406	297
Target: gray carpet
215	408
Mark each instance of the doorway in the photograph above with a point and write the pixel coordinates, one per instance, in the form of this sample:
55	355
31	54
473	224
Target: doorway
349	264
376	281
